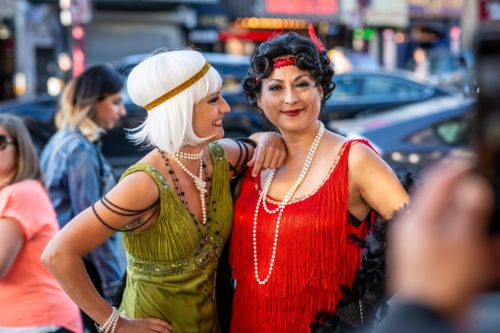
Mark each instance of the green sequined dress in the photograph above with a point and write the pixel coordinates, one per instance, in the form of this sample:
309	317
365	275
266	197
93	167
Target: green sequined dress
171	267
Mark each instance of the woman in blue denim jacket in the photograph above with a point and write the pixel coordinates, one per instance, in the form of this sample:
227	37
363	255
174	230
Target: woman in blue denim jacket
76	174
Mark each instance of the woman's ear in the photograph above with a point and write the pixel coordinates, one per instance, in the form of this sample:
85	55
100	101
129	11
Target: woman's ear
257	101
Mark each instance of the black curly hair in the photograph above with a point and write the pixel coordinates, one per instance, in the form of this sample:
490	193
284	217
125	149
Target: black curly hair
307	56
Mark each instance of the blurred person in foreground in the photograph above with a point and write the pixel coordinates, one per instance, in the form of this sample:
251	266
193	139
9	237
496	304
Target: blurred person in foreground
173	207
31	299
75	171
291	245
445	252
440	254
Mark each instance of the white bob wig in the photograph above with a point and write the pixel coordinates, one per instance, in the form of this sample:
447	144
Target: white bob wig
169	125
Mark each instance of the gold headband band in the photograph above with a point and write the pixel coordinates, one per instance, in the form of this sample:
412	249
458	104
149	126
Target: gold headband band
180	88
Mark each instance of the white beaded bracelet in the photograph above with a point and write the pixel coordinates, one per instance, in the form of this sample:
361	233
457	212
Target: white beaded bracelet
113	325
110	325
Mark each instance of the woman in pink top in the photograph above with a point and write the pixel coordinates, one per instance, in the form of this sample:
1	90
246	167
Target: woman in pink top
31	299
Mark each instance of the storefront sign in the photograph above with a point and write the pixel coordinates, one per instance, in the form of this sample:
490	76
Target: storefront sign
313	8
436	7
381	13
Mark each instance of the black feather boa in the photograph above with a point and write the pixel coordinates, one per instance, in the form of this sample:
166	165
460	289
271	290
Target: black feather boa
365	302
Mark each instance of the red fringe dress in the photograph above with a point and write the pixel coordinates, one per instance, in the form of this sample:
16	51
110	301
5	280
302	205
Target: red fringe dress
313	256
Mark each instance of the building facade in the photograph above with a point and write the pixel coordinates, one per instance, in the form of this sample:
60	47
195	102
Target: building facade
44	47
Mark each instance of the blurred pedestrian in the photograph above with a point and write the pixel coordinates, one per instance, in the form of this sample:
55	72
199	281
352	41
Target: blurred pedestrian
31	298
421	64
291	245
76	173
174	207
441	256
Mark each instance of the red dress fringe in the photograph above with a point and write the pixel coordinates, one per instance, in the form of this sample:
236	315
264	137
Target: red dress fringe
314	256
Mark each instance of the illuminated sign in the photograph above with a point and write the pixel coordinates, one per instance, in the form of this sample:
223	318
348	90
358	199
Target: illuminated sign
302	7
383	13
436	7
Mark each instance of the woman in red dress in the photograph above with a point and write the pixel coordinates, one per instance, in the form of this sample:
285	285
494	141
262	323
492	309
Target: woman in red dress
290	245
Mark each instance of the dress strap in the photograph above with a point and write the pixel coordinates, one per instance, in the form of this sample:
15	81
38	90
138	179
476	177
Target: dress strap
220	172
343	155
217	151
363	141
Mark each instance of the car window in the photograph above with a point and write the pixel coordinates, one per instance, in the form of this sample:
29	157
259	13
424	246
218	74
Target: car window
444	63
388	86
427	136
346	87
453	132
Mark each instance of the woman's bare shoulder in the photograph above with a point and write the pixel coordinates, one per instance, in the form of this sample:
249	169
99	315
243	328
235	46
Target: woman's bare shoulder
361	154
139	186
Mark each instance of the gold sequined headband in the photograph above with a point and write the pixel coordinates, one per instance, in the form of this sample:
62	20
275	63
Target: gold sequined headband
180	88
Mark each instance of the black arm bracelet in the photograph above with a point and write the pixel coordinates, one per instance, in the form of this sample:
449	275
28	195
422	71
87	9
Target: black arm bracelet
237	169
249	141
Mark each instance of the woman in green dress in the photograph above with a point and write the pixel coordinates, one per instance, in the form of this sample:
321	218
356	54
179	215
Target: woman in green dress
173	207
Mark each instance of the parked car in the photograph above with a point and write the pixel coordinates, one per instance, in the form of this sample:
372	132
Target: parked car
416	136
362	93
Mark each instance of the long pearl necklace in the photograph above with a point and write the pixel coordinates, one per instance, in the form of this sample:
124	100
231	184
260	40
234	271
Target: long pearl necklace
281	206
200	184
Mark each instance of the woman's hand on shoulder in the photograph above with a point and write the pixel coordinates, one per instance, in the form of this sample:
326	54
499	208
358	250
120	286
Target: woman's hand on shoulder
270	152
375	181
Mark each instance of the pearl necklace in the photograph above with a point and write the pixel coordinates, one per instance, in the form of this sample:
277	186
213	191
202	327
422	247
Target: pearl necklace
188	156
200	184
281	206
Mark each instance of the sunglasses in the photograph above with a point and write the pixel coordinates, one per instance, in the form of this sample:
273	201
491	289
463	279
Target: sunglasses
4	141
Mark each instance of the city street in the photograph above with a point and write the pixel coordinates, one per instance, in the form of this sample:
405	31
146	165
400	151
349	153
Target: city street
81	101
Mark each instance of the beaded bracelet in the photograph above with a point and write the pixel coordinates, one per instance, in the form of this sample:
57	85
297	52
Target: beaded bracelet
110	325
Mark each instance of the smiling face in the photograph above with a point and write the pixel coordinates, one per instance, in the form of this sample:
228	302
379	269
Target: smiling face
108	111
207	116
290	98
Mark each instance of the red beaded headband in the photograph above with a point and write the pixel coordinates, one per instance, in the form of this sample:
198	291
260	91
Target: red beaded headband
283	62
290	60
